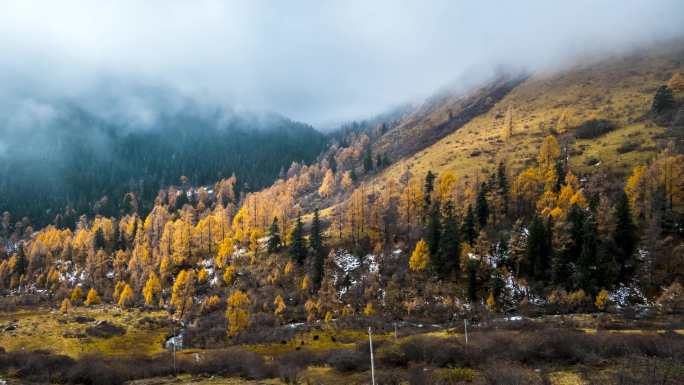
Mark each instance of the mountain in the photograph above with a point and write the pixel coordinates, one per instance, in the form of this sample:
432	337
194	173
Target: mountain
79	162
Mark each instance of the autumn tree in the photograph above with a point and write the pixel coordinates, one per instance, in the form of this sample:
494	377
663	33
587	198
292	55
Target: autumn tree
126	296
676	82
152	289
420	257
92	297
237	312
280	306
183	291
327	187
76	295
65	307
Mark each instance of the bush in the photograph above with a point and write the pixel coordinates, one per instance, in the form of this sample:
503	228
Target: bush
346	360
672	299
452	376
593	128
505	373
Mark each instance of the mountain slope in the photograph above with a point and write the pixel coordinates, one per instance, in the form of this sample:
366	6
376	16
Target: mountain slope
86	163
619	90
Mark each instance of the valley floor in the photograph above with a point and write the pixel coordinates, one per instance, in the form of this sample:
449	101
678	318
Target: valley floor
561	350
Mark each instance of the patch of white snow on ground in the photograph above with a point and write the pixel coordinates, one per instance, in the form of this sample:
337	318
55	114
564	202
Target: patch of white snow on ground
346	261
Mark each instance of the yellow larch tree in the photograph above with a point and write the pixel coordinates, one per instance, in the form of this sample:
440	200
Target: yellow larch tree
183	291
237	312
152	289
420	257
92	298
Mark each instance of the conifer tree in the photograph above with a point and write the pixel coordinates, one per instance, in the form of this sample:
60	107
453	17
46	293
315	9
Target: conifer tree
318	249
368	160
433	230
472	266
663	100
625	238
274	236
449	246
482	206
468	227
298	243
92	298
538	249
502	182
428	187
586	265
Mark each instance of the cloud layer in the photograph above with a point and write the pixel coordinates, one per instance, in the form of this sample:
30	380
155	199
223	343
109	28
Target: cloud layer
316	61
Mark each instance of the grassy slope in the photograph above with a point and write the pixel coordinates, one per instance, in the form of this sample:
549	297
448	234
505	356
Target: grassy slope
619	89
42	329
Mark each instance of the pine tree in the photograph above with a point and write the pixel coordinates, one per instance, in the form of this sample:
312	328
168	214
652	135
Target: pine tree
625	238
538	249
433	230
316	240
472	267
92	298
274	236
482	207
502	182
368	160
468	227
298	243
428	187
587	263
663	100
99	239
237	312
449	246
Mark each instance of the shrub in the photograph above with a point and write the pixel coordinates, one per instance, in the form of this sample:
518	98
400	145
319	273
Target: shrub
504	373
451	376
602	300
672	299
594	128
346	360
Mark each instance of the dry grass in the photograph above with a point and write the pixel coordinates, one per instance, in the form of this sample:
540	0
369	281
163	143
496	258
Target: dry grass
42	329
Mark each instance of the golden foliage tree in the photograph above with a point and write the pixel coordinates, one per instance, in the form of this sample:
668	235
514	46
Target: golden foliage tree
237	312
280	305
126	297
229	275
76	295
92	298
327	187
152	289
549	153
182	292
420	257
676	82
65	307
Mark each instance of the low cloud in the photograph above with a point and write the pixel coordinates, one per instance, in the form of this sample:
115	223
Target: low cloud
318	62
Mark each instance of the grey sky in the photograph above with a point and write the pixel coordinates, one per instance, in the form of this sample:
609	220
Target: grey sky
314	61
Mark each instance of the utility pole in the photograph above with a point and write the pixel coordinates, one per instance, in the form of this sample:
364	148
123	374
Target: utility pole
395	332
370	341
465	327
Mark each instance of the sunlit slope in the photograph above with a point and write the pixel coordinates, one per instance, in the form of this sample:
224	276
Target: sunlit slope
618	89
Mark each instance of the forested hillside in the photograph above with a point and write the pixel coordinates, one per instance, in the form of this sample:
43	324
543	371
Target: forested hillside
80	163
552	193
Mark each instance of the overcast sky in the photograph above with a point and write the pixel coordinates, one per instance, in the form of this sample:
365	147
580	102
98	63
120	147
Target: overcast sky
315	61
